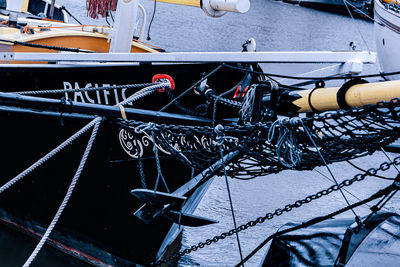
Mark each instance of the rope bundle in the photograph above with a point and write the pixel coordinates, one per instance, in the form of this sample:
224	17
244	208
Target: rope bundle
100	7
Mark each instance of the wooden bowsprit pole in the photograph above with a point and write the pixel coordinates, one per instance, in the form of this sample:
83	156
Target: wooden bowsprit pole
355	93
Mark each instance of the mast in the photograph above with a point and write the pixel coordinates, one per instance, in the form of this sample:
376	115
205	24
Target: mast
53	2
126	14
124	26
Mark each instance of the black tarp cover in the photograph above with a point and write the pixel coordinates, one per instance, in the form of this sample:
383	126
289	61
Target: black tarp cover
319	245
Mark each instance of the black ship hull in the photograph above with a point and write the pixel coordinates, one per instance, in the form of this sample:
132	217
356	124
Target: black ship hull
98	226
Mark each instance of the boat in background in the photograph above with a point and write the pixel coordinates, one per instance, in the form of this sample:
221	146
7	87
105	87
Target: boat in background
387	35
27	28
38	9
359	8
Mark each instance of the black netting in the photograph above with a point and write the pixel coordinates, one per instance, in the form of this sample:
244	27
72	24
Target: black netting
287	143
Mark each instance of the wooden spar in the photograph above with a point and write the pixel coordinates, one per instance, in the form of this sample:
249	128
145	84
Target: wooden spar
195	3
324	99
214	7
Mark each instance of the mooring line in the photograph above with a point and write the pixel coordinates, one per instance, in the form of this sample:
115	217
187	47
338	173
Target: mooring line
48	155
67	196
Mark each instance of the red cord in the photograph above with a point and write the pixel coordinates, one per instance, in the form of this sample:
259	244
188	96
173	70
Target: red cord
101	7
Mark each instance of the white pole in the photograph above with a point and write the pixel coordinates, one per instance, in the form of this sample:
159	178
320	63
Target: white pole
124	26
218	8
239	6
14	5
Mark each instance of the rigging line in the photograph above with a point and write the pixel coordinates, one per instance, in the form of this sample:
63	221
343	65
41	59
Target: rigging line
230	202
356	25
375	175
316	220
140	163
329	170
151	21
311	78
382	202
363	13
390	160
157	159
348	192
190	88
69	13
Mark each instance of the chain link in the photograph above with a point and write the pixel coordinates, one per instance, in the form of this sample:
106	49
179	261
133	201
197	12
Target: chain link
289	207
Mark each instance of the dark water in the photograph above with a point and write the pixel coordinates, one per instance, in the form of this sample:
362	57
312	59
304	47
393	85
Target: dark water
276	26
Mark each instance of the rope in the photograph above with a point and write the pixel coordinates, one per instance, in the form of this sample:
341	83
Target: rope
144	92
248	104
151	21
329	170
159	173
220	140
363	13
68	194
50	47
140	165
356	26
90	89
190	88
308	78
72	16
361	169
287	150
330	180
390	160
48	156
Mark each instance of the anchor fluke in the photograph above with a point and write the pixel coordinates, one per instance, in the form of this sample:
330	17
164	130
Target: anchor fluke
157	198
156	203
187	219
159	203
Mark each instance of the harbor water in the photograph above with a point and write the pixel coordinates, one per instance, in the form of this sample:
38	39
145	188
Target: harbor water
276	26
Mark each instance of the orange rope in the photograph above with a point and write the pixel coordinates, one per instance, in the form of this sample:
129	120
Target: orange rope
154	46
39	28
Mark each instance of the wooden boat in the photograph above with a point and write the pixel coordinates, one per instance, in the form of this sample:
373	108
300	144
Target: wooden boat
20	32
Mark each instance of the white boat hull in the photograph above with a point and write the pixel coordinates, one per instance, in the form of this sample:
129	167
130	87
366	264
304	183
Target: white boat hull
387	36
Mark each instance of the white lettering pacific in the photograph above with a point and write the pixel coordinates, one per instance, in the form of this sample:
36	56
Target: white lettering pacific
97	97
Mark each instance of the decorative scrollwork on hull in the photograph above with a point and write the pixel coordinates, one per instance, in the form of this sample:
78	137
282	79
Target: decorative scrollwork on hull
137	147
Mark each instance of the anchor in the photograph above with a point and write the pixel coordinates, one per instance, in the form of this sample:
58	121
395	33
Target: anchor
157	204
